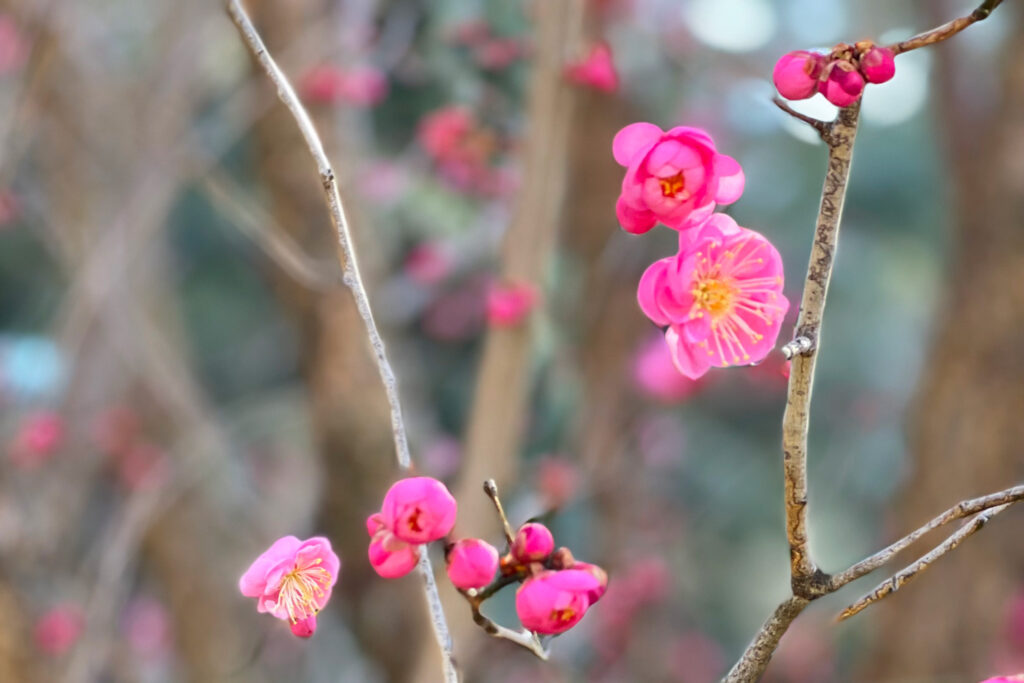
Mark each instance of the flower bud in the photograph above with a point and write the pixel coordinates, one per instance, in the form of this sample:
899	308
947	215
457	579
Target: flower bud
418	510
472	563
878	64
391	557
533	542
842	84
796	74
554	601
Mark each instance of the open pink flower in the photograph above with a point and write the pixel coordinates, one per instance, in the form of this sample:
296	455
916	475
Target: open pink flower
389	556
554	601
596	71
533	543
292	581
676	177
509	304
720	297
472	563
418	510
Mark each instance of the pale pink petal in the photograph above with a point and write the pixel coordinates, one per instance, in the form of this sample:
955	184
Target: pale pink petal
633	221
730	179
632	139
690	359
254	580
649	292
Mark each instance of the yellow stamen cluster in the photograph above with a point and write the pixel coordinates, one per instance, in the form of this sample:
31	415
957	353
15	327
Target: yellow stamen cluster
301	588
672	186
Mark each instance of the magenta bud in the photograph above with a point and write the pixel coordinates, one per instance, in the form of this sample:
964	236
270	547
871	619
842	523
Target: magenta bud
304	628
796	74
533	543
842	84
878	64
472	563
601	575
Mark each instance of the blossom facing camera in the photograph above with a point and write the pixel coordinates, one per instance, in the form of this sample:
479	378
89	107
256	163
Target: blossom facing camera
796	74
596	70
675	177
533	543
841	84
720	297
293	580
878	64
418	510
472	563
554	601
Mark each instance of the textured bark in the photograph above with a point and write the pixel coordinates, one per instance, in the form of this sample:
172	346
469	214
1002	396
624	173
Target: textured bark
967	428
349	412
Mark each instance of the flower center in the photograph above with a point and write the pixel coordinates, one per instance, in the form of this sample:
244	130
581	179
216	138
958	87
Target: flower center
302	589
673	186
564	615
414	521
714	296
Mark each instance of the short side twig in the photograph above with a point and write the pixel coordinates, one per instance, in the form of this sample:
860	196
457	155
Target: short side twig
491	489
817	124
910	572
353	280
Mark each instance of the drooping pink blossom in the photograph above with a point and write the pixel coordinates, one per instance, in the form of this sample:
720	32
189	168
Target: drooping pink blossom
532	543
38	437
293	580
796	74
418	510
554	601
596	70
57	631
472	563
720	297
389	556
656	376
508	304
877	64
675	177
841	83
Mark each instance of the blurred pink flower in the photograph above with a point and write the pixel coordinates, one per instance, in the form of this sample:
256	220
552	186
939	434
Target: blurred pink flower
596	70
470	33
116	430
10	207
38	437
389	556
428	263
533	543
361	86
498	53
292	581
676	177
556	480
656	376
796	74
57	631
509	304
720	296
383	182
456	315
554	601
442	132
13	46
472	563
143	465
147	627
418	510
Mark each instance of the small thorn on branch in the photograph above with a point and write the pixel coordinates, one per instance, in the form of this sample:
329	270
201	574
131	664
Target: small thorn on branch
801	346
822	127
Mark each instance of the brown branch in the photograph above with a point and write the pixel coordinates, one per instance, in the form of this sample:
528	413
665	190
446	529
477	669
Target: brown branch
910	572
946	31
353	280
962	509
817	124
524	639
759	653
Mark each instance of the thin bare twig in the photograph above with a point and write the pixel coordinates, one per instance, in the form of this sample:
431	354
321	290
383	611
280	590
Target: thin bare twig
750	668
962	509
908	573
491	489
525	639
817	124
353	280
946	31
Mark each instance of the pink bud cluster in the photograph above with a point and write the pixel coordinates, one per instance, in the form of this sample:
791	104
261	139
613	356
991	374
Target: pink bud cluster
416	510
719	299
840	76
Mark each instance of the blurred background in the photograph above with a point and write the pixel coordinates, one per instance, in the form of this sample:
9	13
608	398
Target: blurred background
183	379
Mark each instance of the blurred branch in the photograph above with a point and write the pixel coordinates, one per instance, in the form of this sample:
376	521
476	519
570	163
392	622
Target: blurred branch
908	573
946	31
353	281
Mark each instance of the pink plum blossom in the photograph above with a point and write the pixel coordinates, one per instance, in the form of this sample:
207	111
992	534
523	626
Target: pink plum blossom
38	437
675	177
292	581
472	563
596	70
57	631
656	376
418	510
720	297
796	74
877	64
841	83
389	556
508	304
554	601
533	543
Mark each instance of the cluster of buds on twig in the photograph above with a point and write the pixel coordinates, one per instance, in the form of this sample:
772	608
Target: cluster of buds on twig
840	75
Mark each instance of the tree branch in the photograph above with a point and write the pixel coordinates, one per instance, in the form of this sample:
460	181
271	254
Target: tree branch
353	280
908	573
946	31
755	660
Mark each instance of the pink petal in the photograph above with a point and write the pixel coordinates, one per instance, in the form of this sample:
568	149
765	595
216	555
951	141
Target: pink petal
633	221
649	291
690	359
730	179
254	580
633	138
